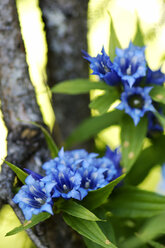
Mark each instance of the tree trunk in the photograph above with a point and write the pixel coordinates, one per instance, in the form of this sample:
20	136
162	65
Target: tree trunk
66	31
26	144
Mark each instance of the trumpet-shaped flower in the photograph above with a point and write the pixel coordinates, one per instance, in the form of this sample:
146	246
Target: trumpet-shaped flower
136	102
103	67
68	159
107	166
130	63
155	77
92	178
32	198
63	182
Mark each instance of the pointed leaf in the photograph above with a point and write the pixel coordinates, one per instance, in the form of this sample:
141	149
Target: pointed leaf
50	142
138	39
131	202
103	102
88	229
158	94
92	126
78	86
97	197
28	224
20	173
77	210
90	244
113	41
131	140
106	228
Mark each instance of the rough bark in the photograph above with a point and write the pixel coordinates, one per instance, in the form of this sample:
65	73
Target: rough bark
26	144
66	31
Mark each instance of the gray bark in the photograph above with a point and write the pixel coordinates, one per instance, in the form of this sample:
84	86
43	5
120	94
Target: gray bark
26	144
66	31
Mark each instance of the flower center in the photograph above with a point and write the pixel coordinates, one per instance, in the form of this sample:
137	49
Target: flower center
136	101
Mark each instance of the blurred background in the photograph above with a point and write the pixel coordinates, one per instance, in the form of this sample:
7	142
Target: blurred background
125	15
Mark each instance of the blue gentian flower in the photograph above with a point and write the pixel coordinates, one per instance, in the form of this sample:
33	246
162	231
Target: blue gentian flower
108	167
92	179
69	159
115	157
136	102
63	182
155	77
35	175
130	63
32	198
103	67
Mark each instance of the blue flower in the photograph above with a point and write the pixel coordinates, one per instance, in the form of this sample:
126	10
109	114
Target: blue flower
155	77
92	179
130	63
63	182
136	102
108	168
115	157
103	67
69	159
32	198
35	175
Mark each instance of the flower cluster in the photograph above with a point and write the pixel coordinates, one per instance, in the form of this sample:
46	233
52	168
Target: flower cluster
70	175
131	74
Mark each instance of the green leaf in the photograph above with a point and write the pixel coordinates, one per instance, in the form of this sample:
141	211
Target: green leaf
106	228
77	210
103	102
153	228
158	94
131	202
90	244
92	126
20	173
28	224
113	41
155	244
138	39
97	197
156	155
131	140
50	142
78	86
88	229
